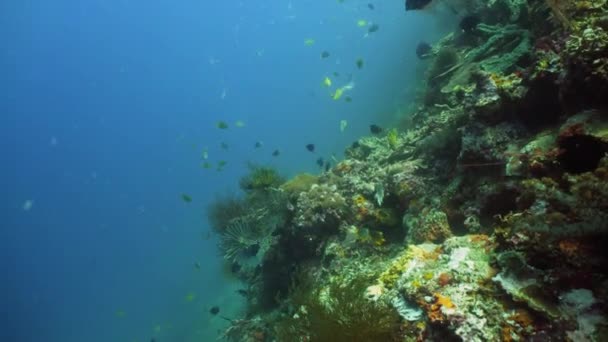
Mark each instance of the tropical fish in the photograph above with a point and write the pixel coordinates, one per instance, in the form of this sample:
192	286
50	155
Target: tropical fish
348	99
276	153
309	42
375	129
224	146
359	63
197	265
361	22
327	82
336	74
338	94
373	28
340	91
222	125
310	147
239	123
320	161
258	144
205	153
343	124
206	165
214	310
221	164
324	54
186	198
371	6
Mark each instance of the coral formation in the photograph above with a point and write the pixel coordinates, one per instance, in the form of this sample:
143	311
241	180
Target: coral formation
482	220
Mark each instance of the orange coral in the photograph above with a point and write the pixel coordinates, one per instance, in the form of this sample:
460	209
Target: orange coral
569	247
444	279
434	313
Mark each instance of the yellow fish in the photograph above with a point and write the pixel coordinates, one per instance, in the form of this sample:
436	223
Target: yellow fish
338	94
190	297
361	22
309	42
327	81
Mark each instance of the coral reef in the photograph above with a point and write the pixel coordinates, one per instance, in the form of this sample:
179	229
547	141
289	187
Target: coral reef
482	220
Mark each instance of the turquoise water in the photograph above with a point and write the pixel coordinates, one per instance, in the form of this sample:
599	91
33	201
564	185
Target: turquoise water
106	109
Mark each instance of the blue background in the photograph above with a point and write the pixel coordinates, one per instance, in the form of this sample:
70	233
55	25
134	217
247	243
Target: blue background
105	109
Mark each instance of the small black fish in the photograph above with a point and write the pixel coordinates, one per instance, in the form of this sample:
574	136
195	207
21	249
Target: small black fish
469	23
276	153
348	99
336	74
320	161
411	5
310	147
197	265
214	310
242	292
224	146
375	129
152	339
258	144
186	198
327	166
423	50
324	54
371	6
359	63
373	28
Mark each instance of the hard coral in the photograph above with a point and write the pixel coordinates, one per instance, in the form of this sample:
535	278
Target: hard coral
322	205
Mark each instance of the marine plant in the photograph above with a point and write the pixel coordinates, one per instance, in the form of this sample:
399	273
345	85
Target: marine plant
260	178
248	237
224	209
338	311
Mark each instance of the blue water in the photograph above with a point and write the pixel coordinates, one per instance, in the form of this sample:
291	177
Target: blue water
105	109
